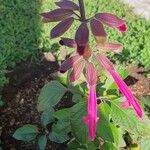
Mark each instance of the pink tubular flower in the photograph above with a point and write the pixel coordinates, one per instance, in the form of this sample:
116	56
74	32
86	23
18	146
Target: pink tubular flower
91	119
130	99
112	21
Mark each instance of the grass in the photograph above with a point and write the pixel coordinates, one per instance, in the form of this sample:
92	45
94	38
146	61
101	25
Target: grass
23	35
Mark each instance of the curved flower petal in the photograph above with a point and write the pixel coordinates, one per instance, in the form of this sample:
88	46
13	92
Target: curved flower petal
112	20
122	28
104	61
91	119
112	47
77	70
127	93
67	64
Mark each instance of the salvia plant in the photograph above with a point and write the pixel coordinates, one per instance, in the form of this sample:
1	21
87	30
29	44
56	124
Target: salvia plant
89	75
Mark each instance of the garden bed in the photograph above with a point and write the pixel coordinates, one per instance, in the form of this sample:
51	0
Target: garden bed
20	96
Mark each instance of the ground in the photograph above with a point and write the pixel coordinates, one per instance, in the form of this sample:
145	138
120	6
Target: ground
140	7
20	96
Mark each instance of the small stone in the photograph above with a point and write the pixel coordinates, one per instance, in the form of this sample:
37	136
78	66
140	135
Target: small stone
22	101
12	122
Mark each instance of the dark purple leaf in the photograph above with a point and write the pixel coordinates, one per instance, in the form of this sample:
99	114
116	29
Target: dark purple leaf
68	42
82	35
57	15
61	28
97	28
66	4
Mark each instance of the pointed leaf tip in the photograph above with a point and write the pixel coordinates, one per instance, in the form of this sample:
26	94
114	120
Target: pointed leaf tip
61	27
56	15
66	4
112	20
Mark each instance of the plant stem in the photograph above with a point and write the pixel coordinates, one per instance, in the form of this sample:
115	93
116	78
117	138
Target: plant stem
82	10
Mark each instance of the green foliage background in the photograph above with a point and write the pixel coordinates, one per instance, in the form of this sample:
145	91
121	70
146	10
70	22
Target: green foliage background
22	34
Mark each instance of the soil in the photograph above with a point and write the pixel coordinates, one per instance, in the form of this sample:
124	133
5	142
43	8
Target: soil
20	97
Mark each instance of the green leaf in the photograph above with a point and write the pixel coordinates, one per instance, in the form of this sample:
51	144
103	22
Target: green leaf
60	132
80	89
50	95
62	126
108	146
145	144
79	129
47	117
76	98
103	128
126	118
73	145
42	141
62	78
122	71
58	137
117	134
27	132
146	105
91	146
63	114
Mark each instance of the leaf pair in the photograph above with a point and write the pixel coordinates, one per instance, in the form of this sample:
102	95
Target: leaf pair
62	14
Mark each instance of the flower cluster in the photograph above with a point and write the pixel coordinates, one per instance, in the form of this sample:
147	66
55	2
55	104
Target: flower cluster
83	57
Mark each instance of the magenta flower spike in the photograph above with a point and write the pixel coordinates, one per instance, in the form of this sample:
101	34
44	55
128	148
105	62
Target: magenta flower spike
91	119
112	21
130	99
